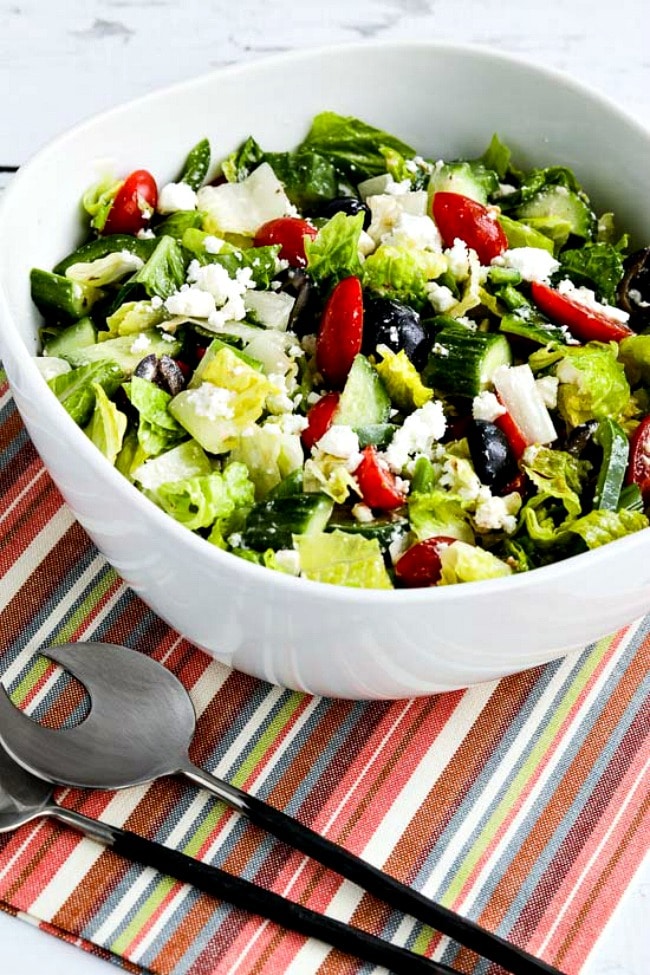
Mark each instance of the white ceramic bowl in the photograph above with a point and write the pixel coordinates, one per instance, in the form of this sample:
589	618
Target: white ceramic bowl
446	101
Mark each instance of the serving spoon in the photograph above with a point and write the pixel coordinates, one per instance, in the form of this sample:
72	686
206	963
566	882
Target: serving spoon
140	727
24	797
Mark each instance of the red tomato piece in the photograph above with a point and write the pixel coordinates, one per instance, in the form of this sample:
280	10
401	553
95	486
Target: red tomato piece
638	470
133	205
583	323
289	233
515	437
459	216
420	565
340	332
377	483
320	419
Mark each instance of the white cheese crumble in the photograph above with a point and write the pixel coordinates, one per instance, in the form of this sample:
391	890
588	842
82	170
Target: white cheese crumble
441	297
635	296
211	401
587	297
141	343
366	244
176	196
342	442
363	513
495	513
227	293
547	387
145	233
193	302
288	560
487	407
416	231
439	349
212	244
156	302
458	259
533	263
417	435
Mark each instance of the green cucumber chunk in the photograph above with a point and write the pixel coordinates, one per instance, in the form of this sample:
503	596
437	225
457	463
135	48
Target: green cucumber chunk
463	361
126	350
385	530
93	250
273	523
561	204
57	296
616	448
364	400
77	336
458	177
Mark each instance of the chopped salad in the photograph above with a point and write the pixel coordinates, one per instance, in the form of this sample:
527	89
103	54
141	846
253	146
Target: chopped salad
358	365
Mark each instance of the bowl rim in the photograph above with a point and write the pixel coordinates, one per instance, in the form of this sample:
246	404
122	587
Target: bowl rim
226	561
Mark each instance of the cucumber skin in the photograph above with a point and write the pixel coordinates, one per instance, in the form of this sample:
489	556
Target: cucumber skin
384	531
273	523
462	372
364	400
558	201
55	294
77	336
95	249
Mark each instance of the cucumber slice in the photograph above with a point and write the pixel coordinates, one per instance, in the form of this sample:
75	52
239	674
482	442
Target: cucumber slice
58	296
470	361
273	523
127	350
288	487
364	400
385	530
377	434
458	177
93	250
562	204
77	336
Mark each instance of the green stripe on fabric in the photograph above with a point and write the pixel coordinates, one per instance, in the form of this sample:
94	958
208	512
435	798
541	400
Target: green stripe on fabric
86	607
140	920
36	672
518	784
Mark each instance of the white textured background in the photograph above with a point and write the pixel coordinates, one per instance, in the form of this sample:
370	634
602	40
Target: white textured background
63	60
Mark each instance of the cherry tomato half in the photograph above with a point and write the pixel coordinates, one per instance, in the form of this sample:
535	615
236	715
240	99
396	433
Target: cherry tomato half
583	323
420	565
290	233
638	470
341	332
459	216
133	205
513	434
320	419
377	483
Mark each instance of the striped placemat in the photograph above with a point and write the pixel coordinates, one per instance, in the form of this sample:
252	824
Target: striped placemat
520	803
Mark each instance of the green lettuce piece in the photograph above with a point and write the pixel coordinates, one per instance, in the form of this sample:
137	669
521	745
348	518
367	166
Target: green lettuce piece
262	261
521	234
333	254
98	200
634	353
107	425
330	475
76	390
131	456
593	385
164	272
178	464
270	455
130	318
104	270
176	224
342	559
157	428
556	475
596	265
415	170
554	228
353	146
600	527
439	513
400	272
402	380
307	176
196	165
241	163
497	157
461	562
201	501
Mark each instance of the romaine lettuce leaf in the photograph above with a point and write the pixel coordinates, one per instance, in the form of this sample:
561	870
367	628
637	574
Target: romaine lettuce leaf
634	353
595	265
157	428
98	200
601	526
439	513
353	146
559	479
593	385
497	157
269	453
461	562
201	501
308	177
521	234
241	163
75	390
334	253
107	425
130	318
164	272
402	380
342	559
178	464
400	272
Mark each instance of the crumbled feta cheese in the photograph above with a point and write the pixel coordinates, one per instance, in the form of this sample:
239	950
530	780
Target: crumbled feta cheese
211	401
398	545
506	189
458	259
145	233
495	513
341	441
439	349
460	477
587	297
548	386
418	231
366	244
193	302
291	423
288	560
212	244
533	263
141	343
280	401
637	298
420	430
363	513
313	398
176	196
227	293
441	297
234	540
398	189
487	407
167	337
156	302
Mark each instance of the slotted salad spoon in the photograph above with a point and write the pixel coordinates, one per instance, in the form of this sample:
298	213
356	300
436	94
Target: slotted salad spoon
140	727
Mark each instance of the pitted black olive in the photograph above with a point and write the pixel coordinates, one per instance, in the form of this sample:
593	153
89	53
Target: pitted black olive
491	454
163	372
305	313
634	289
346	204
580	442
389	322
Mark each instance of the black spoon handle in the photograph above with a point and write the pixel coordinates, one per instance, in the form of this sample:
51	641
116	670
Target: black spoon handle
249	897
394	893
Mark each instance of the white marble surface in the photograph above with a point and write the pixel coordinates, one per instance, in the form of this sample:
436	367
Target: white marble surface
63	60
